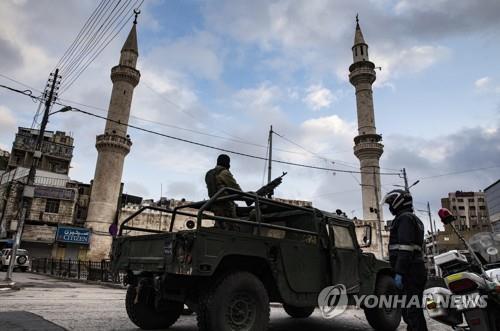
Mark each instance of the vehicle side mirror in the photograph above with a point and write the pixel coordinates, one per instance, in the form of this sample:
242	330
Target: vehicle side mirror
364	235
446	216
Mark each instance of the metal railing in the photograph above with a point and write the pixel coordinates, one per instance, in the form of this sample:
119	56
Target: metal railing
77	269
224	194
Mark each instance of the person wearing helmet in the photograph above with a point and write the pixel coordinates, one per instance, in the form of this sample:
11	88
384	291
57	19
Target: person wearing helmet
405	253
217	178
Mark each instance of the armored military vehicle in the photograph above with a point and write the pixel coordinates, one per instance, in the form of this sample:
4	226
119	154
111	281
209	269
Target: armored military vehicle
275	253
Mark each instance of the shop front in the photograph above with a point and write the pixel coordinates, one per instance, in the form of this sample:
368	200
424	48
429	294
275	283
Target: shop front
71	243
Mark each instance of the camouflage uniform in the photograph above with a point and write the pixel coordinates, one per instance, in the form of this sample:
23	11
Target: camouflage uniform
224	178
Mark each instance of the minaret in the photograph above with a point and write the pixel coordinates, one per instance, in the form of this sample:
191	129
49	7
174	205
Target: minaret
112	147
367	148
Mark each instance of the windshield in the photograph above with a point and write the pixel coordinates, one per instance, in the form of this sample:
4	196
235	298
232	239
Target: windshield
487	245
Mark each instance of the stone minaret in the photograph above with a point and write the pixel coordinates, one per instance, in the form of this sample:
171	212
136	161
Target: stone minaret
112	147
368	148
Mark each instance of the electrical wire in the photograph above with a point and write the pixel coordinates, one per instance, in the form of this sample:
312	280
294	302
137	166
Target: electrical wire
69	52
29	93
98	36
219	148
461	172
85	36
99	52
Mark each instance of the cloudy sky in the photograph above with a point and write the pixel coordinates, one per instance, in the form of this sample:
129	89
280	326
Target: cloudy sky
230	69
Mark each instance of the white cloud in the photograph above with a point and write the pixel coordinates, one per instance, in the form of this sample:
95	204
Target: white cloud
408	60
482	82
487	85
318	97
263	98
197	54
7	119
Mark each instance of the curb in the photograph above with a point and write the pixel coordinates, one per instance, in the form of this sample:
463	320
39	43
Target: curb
10	286
83	281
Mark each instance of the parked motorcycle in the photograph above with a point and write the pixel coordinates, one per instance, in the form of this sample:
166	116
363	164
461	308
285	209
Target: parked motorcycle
473	283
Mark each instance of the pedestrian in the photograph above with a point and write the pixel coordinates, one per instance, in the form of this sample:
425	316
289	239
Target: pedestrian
406	257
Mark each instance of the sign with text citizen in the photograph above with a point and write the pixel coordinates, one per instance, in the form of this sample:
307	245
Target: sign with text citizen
73	235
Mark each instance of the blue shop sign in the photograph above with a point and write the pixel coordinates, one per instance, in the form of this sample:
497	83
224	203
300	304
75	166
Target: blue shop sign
73	235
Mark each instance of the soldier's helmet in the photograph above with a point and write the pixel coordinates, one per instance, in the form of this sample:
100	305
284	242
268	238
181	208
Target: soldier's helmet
398	200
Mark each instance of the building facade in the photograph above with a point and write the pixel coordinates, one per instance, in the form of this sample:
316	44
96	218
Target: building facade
112	147
492	193
470	210
57	151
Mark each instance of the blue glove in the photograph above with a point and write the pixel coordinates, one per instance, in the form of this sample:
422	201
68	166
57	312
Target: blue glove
398	280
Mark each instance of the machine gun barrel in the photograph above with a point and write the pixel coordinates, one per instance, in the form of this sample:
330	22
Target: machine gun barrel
268	189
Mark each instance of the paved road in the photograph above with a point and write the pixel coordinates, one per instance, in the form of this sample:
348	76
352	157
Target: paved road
52	304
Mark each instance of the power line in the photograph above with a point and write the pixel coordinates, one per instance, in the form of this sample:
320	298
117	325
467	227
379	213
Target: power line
76	42
20	83
461	172
219	148
98	36
80	45
88	63
29	93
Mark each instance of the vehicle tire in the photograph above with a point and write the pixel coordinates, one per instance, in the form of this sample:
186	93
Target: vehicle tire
237	302
143	313
298	312
384	319
21	259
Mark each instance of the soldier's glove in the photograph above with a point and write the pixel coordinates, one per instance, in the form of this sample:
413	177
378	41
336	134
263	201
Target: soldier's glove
398	280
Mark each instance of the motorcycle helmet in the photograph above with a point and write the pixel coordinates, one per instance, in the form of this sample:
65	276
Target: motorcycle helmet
398	200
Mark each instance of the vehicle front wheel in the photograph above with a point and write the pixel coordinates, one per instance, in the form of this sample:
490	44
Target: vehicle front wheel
144	314
298	312
237	302
382	319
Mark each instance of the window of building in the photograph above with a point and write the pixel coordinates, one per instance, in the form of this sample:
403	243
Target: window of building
482	207
471	200
472	207
355	51
460	200
52	206
480	199
361	50
461	208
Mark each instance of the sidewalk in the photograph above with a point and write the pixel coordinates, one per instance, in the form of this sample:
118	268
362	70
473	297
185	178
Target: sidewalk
26	321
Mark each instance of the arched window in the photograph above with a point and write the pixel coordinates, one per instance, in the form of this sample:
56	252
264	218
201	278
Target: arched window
361	50
355	51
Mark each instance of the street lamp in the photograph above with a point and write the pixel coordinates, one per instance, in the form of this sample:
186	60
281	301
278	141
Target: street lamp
62	110
28	192
407	188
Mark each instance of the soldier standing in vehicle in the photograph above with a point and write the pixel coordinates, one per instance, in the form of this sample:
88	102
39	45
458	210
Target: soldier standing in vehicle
217	178
405	253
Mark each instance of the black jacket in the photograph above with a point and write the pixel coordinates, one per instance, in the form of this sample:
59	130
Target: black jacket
406	241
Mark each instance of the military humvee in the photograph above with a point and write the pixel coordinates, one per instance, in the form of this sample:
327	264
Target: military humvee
279	253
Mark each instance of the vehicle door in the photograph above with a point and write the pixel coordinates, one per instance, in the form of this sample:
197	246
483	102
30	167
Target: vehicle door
344	255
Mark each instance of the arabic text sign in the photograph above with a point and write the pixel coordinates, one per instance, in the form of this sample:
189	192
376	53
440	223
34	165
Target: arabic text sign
73	235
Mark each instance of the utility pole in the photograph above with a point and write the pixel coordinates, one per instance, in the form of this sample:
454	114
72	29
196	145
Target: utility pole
432	229
269	166
407	188
29	188
377	212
